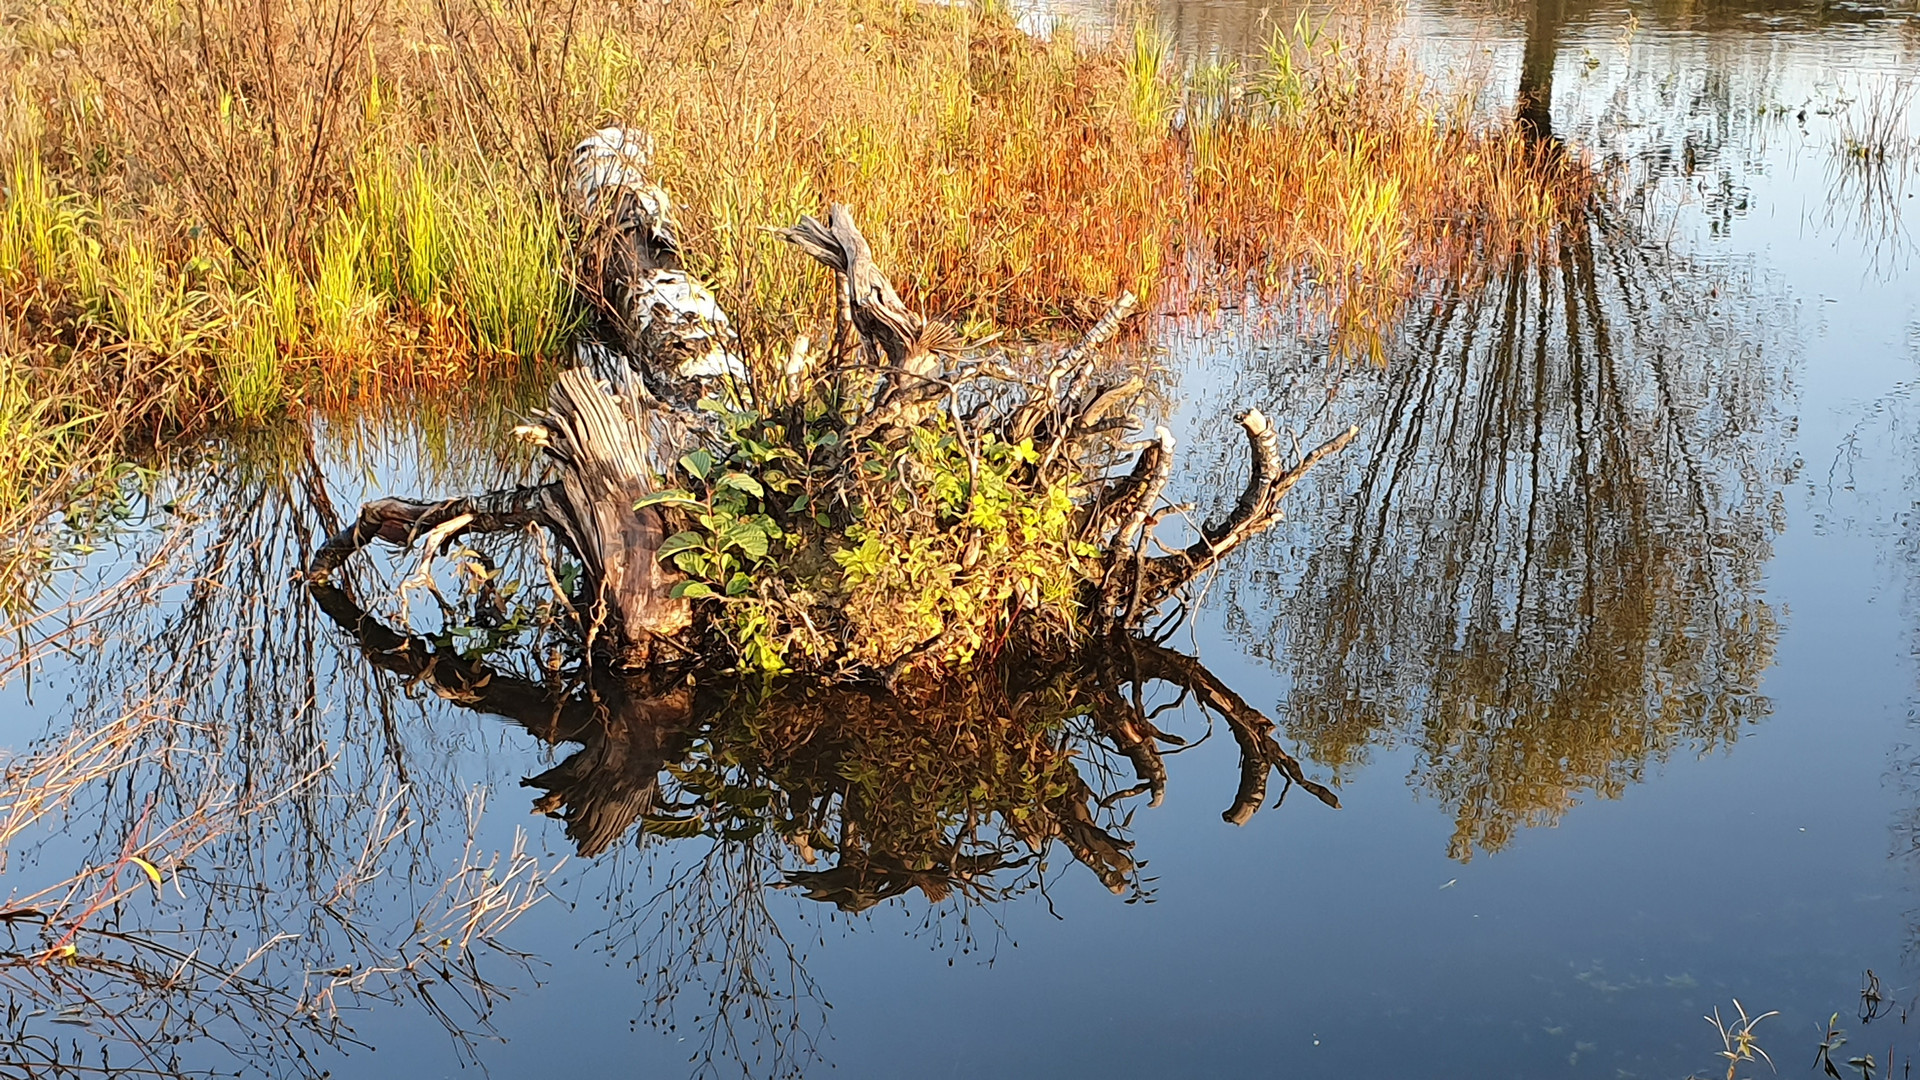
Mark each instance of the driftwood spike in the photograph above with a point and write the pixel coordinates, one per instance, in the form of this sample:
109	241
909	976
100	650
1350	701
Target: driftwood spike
1059	414
1258	508
876	309
1064	368
603	446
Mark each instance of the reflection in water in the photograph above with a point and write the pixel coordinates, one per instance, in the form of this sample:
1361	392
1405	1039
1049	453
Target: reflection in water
1533	102
1550	573
1872	169
1876	465
317	828
1541	573
935	790
847	795
231	839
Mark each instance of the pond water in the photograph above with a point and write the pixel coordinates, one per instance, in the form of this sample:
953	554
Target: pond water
1603	632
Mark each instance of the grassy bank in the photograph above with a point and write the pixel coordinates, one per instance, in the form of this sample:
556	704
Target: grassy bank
215	212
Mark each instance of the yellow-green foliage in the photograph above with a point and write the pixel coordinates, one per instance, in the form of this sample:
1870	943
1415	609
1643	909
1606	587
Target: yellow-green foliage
949	545
308	219
39	227
250	366
1002	180
345	307
940	545
507	278
1149	92
471	253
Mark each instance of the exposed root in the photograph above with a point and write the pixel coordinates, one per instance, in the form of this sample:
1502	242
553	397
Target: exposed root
401	522
913	521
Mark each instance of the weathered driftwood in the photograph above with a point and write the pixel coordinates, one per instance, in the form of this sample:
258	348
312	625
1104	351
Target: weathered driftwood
403	522
603	450
614	427
868	298
907	349
601	445
1137	583
659	320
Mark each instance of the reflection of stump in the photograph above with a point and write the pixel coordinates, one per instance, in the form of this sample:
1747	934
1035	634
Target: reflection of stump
648	751
614	778
629	730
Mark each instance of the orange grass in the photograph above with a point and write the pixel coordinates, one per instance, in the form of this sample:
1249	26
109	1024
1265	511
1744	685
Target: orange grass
218	211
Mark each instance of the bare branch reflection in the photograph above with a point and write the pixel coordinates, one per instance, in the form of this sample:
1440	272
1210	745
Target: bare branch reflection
202	851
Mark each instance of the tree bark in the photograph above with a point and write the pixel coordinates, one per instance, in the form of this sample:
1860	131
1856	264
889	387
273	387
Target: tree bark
604	450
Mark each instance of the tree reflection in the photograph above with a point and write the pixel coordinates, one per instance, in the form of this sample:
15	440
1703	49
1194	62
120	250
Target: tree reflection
1533	102
846	795
201	852
1550	574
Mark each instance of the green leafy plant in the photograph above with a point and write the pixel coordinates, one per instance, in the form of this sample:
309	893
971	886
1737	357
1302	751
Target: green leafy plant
731	541
937	545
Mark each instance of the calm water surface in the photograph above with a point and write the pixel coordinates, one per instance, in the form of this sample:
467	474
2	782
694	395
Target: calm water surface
1604	631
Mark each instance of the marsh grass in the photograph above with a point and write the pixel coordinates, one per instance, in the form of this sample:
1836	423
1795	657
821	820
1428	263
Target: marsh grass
1149	95
219	213
1874	157
1738	1044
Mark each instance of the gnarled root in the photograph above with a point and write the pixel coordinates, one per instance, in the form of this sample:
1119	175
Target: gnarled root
403	522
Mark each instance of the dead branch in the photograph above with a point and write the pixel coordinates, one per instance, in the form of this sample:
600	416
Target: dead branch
1258	508
402	522
876	309
1125	557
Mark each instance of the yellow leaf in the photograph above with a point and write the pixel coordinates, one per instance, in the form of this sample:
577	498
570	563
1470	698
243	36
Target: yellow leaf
153	872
